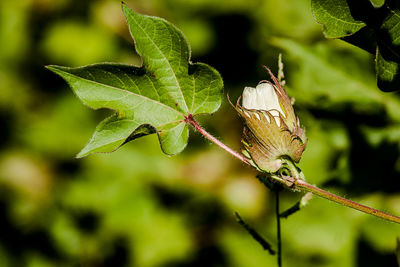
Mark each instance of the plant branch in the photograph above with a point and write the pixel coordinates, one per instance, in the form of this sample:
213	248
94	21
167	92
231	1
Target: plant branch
295	183
304	186
189	119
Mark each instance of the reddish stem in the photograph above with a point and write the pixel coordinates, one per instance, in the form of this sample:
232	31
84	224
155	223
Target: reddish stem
189	119
300	184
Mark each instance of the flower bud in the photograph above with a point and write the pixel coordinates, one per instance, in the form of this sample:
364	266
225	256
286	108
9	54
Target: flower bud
272	132
263	97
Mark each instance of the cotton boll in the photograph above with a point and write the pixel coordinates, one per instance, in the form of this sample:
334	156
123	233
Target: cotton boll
267	142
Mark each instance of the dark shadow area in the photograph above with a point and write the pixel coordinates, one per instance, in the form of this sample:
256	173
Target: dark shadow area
69	167
87	221
232	54
169	198
364	39
120	255
347	114
372	167
17	243
6	122
368	257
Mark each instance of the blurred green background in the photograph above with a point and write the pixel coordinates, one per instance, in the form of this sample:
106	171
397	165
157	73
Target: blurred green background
138	207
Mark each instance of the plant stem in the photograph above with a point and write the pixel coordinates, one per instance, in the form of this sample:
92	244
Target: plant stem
346	202
192	121
294	182
304	186
278	227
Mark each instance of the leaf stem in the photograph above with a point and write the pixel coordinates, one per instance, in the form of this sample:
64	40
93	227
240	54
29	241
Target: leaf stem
189	119
296	183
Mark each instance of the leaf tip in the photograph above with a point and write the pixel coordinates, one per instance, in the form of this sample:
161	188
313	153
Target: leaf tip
86	151
56	69
51	67
126	8
81	154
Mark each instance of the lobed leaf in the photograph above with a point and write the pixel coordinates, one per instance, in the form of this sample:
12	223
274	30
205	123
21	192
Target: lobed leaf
153	98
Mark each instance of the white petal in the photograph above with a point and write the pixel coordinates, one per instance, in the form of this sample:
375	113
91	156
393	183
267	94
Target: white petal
249	98
268	96
260	92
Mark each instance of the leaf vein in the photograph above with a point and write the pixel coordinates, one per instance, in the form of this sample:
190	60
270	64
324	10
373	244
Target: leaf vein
128	92
165	59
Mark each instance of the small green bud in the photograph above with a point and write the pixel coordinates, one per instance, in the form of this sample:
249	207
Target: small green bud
272	132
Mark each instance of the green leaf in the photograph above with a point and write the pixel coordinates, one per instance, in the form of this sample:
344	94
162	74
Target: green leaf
335	17
388	52
371	25
153	98
377	3
391	28
387	73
